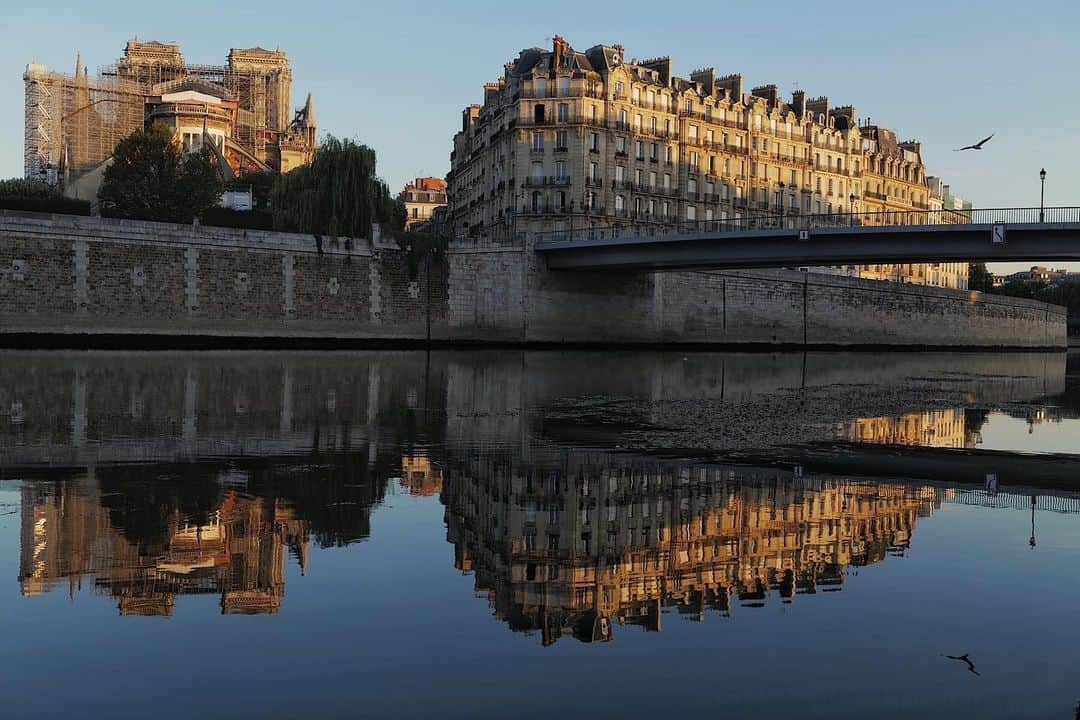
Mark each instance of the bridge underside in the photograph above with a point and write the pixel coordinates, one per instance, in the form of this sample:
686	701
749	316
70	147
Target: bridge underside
861	245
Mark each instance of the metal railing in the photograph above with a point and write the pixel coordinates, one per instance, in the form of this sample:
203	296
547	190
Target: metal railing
600	226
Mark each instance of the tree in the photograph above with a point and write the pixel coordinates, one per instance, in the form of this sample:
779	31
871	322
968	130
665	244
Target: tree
979	278
151	178
338	193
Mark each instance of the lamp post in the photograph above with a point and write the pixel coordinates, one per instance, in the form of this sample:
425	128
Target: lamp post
851	209
780	204
1042	193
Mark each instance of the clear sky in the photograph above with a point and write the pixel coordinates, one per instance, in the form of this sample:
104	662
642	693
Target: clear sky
396	75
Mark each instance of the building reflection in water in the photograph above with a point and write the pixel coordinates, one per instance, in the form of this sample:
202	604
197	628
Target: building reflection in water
578	549
943	428
237	551
145	540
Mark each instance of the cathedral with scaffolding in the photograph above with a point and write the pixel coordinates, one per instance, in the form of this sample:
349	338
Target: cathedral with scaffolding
242	110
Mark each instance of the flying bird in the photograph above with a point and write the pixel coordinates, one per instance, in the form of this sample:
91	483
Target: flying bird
966	660
976	146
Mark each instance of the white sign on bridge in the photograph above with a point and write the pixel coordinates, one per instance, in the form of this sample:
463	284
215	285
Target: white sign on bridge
997	234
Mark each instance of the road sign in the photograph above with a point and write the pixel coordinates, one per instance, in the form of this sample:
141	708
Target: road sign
804	235
997	234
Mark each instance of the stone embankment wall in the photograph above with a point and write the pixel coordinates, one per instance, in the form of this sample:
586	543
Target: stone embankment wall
75	275
66	275
506	293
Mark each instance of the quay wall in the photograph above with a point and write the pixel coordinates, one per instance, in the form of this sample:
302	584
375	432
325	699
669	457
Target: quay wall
76	276
505	293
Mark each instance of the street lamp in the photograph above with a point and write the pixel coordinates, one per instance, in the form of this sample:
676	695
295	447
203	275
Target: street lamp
780	204
1042	193
851	209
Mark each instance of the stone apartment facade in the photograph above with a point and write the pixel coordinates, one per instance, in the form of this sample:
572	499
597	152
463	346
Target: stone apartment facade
423	198
568	141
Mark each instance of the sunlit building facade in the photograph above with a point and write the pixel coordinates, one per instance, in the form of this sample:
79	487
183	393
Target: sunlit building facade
569	142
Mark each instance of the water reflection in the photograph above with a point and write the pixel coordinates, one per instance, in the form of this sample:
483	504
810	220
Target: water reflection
147	534
577	549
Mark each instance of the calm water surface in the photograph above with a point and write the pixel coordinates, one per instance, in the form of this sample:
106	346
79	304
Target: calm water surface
282	535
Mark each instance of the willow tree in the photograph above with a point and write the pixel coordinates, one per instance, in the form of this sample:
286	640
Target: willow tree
337	194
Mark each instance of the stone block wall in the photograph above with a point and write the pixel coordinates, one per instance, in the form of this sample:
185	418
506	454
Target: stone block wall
508	294
71	275
64	275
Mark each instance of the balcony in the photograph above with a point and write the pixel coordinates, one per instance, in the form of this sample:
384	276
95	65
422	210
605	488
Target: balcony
546	181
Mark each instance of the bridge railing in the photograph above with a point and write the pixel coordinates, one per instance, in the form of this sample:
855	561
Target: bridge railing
605	227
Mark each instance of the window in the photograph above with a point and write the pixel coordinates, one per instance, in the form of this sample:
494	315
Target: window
652	208
794	179
620	203
691	186
560	169
564	86
592	112
654	152
670	154
639	177
590	200
620	144
594	171
540	86
712	164
619	87
622	119
691	212
693	130
561	200
708	214
637	123
667	181
594	142
639	206
536	201
667	209
537	170
564	112
538	141
560	140
727	167
639	148
689	106
620	173
709	136
652	124
651	100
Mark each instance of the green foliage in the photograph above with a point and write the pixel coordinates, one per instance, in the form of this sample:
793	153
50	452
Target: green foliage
979	278
38	196
337	194
243	219
151	179
420	246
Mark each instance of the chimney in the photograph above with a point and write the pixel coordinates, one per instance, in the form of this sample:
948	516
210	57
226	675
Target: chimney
558	51
769	92
798	101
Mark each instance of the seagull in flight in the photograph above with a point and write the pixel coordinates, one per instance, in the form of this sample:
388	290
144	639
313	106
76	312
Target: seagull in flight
966	660
976	146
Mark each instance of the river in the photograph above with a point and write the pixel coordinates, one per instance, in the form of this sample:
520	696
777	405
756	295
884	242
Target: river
539	534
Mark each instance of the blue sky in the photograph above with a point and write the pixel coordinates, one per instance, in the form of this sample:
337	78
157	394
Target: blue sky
396	75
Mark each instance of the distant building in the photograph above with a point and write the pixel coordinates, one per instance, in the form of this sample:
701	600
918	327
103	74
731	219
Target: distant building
590	141
241	109
1038	274
422	198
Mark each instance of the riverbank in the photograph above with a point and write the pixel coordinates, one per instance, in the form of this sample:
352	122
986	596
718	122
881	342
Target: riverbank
70	281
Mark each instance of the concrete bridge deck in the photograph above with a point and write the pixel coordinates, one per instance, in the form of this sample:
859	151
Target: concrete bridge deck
992	235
